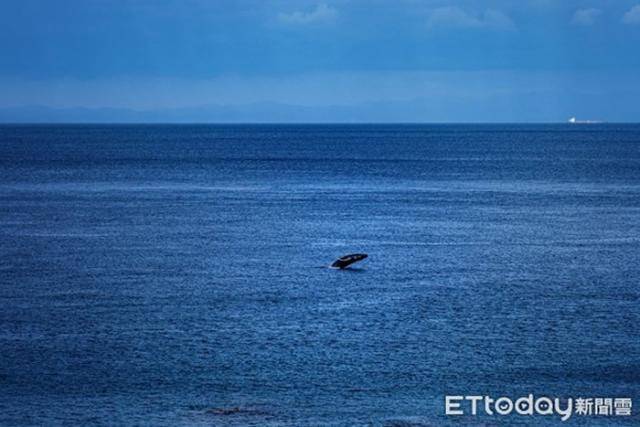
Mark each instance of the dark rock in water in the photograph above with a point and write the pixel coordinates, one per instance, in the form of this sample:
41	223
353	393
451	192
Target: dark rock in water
347	260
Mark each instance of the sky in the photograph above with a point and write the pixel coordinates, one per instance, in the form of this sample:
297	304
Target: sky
277	60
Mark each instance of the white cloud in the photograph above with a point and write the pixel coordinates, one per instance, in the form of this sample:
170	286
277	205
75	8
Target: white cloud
496	19
454	17
586	17
632	16
321	14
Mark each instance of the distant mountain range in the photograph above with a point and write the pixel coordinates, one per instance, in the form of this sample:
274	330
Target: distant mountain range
411	111
265	112
250	113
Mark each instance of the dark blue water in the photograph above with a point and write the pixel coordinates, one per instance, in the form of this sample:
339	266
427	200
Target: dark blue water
162	275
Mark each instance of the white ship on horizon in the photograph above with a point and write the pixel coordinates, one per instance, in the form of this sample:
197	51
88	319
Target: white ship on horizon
573	120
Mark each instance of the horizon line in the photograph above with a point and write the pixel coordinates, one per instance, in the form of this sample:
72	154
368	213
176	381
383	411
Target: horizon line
222	123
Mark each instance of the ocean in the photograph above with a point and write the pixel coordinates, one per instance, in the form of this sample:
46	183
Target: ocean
176	274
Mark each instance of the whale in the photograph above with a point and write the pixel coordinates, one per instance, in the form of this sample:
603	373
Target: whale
346	260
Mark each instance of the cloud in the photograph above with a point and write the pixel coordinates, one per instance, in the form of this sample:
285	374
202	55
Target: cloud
632	16
585	17
321	14
498	20
454	17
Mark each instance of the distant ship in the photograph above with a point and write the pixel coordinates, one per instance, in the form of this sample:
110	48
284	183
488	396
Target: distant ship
573	120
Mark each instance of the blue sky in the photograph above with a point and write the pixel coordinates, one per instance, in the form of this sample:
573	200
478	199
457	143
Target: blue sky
429	60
